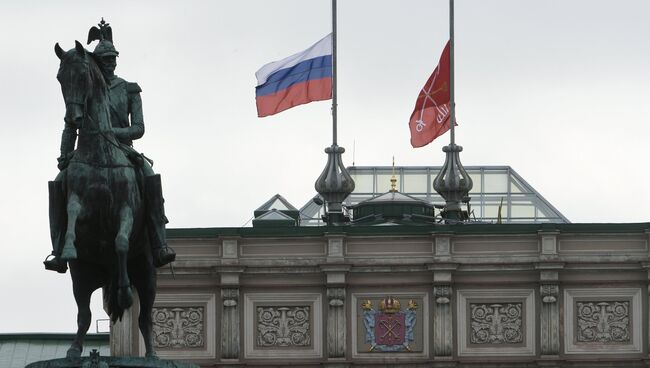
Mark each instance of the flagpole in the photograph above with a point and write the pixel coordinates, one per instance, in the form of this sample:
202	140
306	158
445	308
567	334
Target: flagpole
334	104
335	183
452	100
452	182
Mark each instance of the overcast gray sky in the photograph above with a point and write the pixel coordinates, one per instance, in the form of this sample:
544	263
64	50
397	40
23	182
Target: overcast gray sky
556	89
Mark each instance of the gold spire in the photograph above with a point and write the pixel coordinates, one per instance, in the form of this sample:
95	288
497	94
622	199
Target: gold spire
393	179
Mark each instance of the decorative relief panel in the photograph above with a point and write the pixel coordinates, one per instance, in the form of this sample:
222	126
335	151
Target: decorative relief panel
178	327
283	326
603	322
496	323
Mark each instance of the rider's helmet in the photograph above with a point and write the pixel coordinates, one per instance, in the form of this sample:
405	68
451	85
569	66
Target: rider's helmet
104	34
105	48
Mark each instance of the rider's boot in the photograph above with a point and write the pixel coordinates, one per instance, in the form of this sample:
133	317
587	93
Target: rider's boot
156	220
57	227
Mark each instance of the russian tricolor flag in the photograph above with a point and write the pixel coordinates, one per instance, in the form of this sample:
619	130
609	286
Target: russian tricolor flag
298	79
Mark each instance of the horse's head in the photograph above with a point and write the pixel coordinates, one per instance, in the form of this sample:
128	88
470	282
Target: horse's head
76	81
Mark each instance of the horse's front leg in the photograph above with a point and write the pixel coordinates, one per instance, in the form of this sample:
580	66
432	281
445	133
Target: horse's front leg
74	208
124	293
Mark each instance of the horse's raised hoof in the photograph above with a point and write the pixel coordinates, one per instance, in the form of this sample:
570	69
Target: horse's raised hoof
73	353
124	297
68	253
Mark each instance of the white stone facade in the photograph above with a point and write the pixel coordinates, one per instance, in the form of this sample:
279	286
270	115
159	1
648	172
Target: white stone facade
499	294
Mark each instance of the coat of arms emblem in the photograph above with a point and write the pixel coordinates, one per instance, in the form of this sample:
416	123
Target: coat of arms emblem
389	329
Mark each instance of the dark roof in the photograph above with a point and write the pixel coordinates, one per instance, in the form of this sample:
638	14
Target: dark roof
19	349
460	229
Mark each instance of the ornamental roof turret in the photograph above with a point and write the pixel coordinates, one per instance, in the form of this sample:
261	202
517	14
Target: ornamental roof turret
393	208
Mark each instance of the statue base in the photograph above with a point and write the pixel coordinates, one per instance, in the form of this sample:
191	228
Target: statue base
112	362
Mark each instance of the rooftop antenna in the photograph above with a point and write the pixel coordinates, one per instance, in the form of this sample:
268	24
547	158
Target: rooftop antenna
354	150
452	183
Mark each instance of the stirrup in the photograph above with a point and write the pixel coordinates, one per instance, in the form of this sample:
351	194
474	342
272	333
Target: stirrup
55	264
163	256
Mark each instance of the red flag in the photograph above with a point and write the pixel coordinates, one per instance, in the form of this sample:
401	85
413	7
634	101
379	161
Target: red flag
430	117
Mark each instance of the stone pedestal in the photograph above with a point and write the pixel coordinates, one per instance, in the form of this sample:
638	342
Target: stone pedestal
125	333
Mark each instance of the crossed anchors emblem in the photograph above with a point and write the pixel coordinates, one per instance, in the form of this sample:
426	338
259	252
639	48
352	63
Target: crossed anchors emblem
390	325
442	110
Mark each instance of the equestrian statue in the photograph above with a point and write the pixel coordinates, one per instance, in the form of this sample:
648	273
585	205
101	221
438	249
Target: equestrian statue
107	219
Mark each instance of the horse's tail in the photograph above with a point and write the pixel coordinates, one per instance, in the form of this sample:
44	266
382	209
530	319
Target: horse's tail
110	299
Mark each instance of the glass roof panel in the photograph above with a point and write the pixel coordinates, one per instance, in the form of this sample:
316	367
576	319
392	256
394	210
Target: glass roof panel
274	215
383	182
477	185
521	202
277	202
495	182
278	205
415	182
363	182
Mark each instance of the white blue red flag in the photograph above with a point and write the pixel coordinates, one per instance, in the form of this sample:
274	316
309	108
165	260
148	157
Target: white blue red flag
298	79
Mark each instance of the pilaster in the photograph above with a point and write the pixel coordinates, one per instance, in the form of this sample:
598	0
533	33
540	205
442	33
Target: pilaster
230	323
443	337
442	323
230	313
336	310
646	266
550	319
336	322
549	292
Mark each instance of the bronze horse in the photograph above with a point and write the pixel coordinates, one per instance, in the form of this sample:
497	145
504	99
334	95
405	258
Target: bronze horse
105	242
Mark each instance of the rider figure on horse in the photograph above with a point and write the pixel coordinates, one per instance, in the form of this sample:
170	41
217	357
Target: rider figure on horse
128	125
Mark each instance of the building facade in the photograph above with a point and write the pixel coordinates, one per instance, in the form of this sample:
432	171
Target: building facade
466	295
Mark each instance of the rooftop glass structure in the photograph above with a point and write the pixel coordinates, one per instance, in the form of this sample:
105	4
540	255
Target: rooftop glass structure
492	185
